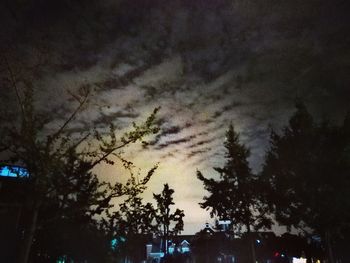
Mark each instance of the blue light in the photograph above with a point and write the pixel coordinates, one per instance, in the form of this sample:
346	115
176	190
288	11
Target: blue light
116	241
63	259
185	249
258	241
13	171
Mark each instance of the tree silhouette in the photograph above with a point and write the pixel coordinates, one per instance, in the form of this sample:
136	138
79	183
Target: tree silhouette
132	224
307	169
165	218
60	161
235	195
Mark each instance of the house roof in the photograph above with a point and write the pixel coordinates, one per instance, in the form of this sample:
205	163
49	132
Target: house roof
184	242
183	238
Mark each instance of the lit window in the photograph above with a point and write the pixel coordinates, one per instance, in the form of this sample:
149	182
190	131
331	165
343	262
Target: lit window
13	171
299	260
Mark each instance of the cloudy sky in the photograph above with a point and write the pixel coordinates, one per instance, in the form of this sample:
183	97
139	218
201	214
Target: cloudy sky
206	63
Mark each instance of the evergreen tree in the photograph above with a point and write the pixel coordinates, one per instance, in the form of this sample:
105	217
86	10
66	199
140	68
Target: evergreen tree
235	195
288	162
307	169
165	218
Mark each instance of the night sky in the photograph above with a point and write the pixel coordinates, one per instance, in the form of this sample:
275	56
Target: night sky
206	63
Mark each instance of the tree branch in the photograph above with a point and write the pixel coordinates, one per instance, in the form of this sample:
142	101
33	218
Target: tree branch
71	117
14	85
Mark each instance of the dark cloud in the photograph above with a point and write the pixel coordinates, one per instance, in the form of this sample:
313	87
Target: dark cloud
231	106
165	131
175	142
151	91
210	158
201	143
240	62
172	153
79	128
170	130
130	75
273	40
112	83
160	89
115	117
197	152
226	108
208	121
217	114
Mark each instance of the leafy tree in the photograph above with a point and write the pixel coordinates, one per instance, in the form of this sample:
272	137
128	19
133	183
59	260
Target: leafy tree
307	170
132	224
60	161
75	232
235	195
135	222
165	218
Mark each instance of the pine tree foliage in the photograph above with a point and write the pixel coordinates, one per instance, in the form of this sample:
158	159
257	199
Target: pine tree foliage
307	170
289	161
235	195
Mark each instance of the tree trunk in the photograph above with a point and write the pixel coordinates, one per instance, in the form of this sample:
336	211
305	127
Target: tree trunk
165	240
166	232
29	236
251	245
329	249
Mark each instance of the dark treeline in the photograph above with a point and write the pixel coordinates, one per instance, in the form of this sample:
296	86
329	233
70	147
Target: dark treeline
306	173
304	183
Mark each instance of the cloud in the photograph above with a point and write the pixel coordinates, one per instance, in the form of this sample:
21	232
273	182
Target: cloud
201	143
175	142
167	129
206	63
117	116
164	131
196	152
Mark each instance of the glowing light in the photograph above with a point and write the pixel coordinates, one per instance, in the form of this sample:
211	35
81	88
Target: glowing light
116	241
62	259
299	260
13	171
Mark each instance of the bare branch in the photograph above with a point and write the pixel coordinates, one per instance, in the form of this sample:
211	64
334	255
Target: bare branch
71	117
14	85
